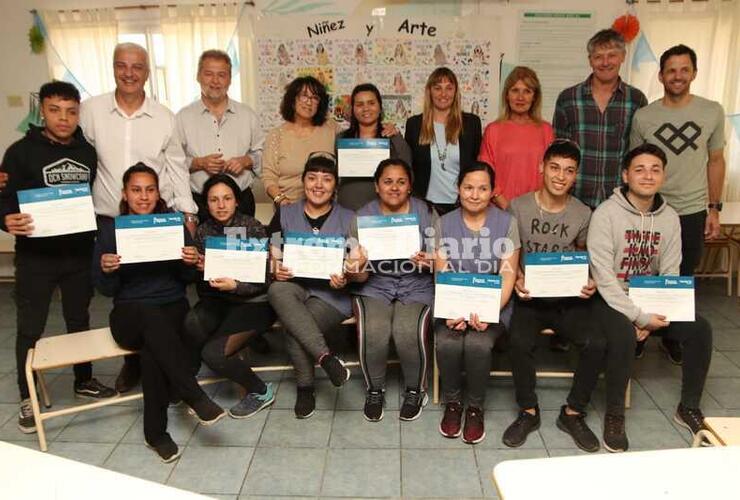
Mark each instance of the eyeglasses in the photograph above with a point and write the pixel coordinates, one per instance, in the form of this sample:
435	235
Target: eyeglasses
308	98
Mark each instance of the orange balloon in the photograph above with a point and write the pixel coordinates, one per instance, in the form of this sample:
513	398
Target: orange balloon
628	26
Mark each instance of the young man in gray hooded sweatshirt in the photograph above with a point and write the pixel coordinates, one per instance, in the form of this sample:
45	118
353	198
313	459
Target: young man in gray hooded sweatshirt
636	233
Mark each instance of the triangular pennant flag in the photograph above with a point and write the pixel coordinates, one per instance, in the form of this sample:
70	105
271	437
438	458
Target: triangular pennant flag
643	52
70	78
234	55
505	70
735	121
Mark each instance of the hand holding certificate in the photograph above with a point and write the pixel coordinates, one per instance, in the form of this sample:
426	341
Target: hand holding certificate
149	238
60	210
670	296
555	274
241	260
460	295
360	157
389	237
307	255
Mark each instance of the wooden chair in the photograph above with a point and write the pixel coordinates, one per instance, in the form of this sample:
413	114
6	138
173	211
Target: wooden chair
720	431
712	258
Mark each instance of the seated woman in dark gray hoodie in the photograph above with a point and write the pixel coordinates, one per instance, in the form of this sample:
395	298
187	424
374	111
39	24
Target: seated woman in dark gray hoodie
636	233
230	313
149	306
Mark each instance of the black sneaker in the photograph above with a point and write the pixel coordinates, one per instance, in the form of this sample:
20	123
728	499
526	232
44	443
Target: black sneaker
374	402
615	438
93	389
166	449
206	411
414	401
26	423
129	375
673	351
689	418
335	369
576	426
516	434
640	349
305	402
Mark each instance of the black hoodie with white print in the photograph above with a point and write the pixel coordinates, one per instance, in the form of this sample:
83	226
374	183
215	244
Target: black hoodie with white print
34	162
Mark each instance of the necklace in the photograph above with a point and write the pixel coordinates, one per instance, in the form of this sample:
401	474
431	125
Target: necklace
559	215
441	155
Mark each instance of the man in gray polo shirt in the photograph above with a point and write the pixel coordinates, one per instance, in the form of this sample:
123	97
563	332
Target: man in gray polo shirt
220	135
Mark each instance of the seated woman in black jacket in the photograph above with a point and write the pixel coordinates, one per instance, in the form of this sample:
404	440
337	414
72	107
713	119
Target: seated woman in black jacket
149	306
230	312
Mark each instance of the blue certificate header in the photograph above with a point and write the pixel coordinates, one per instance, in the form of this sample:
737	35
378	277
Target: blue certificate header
555	258
363	143
314	240
469	280
53	193
149	220
236	244
371	221
673	282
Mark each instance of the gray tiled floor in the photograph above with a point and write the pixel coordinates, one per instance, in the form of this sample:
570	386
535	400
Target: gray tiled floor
336	452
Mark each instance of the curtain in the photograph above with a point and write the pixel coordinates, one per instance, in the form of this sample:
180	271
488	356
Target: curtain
712	29
79	48
188	30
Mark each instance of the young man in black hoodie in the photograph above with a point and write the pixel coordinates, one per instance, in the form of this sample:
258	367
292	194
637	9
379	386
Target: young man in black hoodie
54	155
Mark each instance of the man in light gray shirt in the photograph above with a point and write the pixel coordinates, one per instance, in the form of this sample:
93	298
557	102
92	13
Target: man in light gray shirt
220	135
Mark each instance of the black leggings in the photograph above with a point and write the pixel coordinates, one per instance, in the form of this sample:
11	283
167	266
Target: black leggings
221	329
156	331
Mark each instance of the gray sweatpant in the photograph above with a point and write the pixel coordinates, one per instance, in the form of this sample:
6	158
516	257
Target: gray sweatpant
308	321
470	352
406	324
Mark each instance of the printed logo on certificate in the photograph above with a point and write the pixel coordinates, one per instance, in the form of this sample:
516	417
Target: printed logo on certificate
555	274
360	157
58	210
389	237
149	238
670	296
314	256
243	260
458	295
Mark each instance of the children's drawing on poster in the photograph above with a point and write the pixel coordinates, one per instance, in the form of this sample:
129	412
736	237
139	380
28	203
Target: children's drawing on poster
391	54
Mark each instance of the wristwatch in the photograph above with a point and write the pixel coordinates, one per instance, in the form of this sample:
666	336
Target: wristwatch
717	206
191	218
277	199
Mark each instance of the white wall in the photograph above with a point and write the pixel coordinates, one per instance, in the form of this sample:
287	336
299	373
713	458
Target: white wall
23	72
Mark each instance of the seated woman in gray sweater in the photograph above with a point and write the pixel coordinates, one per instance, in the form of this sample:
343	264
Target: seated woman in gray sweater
395	299
149	306
311	309
230	313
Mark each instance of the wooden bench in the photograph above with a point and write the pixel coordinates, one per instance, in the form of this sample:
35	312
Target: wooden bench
501	373
720	431
93	345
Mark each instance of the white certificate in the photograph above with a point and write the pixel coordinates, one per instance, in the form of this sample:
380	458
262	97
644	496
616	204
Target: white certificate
241	260
149	238
360	157
389	237
670	296
555	274
59	210
313	256
458	295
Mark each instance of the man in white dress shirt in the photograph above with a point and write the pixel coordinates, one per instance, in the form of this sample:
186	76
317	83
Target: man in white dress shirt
126	127
219	134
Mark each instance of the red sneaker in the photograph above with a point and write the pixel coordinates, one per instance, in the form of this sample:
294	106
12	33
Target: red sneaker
451	424
474	431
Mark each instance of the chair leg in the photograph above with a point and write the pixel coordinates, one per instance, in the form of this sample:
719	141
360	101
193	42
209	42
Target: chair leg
44	390
38	421
435	377
628	394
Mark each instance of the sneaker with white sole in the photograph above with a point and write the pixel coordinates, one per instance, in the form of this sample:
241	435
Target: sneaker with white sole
93	389
253	403
26	423
414	401
374	402
166	449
